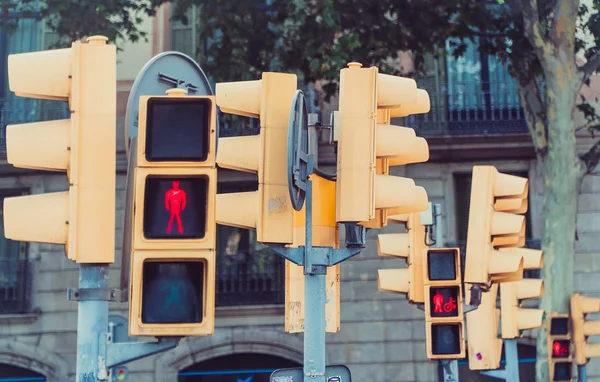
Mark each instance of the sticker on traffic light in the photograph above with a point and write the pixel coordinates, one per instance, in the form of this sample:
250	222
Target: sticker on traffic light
175	207
173	292
444	301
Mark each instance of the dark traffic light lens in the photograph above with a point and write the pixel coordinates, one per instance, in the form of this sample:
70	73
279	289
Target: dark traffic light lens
443	301
172	292
559	326
562	371
441	265
177	131
560	348
175	208
445	339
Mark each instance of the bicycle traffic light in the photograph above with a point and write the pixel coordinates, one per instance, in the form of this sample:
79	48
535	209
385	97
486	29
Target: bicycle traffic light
560	360
495	221
410	245
360	191
172	287
444	320
485	348
268	210
580	307
84	147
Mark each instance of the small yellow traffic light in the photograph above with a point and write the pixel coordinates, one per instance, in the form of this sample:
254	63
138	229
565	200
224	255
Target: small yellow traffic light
84	146
580	307
560	360
324	233
495	221
268	210
172	279
362	140
410	245
514	318
444	319
485	348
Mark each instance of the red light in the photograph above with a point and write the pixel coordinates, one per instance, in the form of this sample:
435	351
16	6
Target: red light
560	348
175	200
444	302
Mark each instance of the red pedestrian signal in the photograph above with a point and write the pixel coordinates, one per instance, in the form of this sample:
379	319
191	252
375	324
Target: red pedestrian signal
444	301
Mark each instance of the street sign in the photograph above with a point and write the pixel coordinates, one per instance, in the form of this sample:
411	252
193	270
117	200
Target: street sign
333	373
298	150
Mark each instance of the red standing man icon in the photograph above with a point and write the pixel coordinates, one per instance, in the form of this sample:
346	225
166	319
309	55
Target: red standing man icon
438	300
175	200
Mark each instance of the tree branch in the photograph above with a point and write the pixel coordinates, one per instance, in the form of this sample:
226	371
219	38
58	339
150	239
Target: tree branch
590	66
533	30
535	115
591	158
564	23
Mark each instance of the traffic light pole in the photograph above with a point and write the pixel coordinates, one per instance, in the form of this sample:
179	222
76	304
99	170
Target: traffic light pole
582	373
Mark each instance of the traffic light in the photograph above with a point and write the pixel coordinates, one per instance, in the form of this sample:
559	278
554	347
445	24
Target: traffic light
324	233
84	147
172	280
580	307
410	245
485	348
515	318
360	191
495	221
268	210
560	360
444	320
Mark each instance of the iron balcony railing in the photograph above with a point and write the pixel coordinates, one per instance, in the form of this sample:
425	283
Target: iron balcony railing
469	108
15	286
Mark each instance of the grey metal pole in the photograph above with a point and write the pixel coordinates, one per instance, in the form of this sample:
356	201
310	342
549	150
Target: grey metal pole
512	360
92	323
582	373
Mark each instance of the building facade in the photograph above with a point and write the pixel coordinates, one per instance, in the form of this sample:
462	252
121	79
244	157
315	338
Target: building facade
475	119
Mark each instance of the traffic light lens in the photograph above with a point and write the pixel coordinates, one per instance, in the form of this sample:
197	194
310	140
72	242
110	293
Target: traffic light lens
445	339
562	371
560	348
173	292
441	265
175	208
443	301
559	326
177	130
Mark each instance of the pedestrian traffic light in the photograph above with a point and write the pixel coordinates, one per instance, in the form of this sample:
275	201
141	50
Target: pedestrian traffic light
495	221
560	360
268	210
172	280
580	307
514	317
485	348
84	147
444	320
360	191
324	233
410	245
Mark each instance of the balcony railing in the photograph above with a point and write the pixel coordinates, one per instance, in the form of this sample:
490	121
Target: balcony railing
15	285
474	108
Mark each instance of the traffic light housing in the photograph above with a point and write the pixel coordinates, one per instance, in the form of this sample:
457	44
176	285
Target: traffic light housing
514	317
84	147
172	280
560	360
410	245
485	347
360	191
444	320
495	221
268	210
580	307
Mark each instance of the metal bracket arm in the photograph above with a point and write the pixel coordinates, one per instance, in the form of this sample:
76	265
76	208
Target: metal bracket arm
120	353
93	294
295	255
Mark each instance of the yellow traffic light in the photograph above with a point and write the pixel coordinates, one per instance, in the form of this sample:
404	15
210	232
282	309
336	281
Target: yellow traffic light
560	360
515	318
83	218
324	233
580	307
495	221
485	348
362	140
268	210
172	279
410	245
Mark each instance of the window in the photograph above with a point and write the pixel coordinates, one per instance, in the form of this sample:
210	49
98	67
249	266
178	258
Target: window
14	272
184	37
248	273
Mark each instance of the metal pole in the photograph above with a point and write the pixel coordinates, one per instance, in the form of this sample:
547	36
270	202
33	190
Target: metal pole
512	360
314	301
582	373
449	367
92	323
